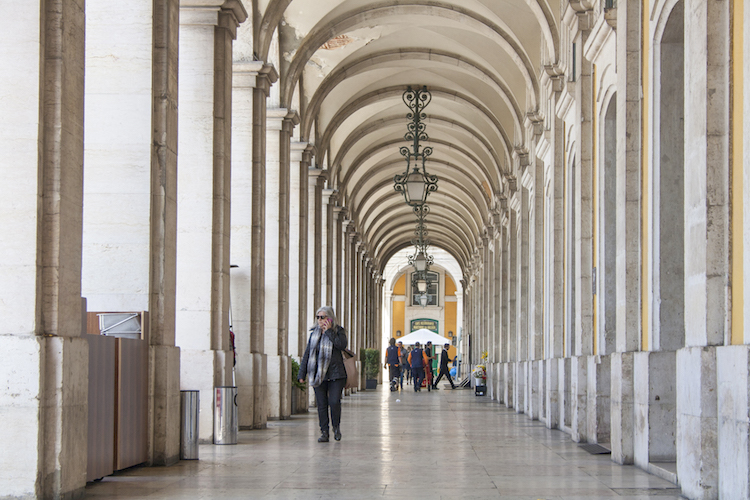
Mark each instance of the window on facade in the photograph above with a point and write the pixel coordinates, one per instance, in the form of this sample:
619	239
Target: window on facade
432	291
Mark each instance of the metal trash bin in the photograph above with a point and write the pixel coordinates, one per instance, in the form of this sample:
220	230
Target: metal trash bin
226	420
189	407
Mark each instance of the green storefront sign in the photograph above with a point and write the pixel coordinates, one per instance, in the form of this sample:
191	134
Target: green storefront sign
426	323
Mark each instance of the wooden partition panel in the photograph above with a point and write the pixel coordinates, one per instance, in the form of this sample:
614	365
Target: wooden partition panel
101	429
131	446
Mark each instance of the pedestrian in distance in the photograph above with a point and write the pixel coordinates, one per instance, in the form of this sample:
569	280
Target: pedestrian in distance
393	362
428	367
403	363
444	370
417	360
323	365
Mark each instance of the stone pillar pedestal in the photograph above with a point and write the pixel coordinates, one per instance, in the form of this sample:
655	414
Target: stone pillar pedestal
552	392
697	446
566	407
508	384
598	402
519	387
579	398
279	386
654	408
259	370
621	409
733	383
46	409
533	401
164	404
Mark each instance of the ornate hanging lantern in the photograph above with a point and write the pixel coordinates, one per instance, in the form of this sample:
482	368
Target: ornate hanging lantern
415	184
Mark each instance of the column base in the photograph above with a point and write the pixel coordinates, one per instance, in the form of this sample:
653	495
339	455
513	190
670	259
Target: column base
598	403
733	383
697	423
164	405
621	407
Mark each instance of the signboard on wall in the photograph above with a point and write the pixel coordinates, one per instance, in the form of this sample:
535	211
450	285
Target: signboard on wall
426	323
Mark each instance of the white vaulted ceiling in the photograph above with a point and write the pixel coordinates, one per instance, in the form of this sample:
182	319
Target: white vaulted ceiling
345	65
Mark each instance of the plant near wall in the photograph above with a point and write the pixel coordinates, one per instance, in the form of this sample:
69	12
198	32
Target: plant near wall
295	376
372	363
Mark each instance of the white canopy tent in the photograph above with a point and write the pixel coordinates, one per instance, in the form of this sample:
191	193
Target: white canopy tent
423	336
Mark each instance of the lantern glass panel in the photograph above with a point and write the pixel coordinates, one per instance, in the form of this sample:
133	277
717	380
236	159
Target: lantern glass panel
415	187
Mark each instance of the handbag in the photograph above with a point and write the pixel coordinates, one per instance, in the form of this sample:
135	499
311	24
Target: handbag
352	374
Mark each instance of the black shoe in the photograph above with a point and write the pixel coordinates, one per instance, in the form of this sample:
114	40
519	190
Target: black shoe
453	387
336	434
436	387
323	437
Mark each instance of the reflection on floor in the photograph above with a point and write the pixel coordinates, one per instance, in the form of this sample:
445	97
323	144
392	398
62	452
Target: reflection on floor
446	444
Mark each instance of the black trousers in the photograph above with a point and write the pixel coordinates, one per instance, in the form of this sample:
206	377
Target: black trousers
394	372
328	394
418	377
447	374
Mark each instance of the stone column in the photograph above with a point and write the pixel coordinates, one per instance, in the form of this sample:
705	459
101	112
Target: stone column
45	361
202	329
628	220
524	296
279	125
316	179
327	247
707	225
536	294
346	292
497	304
340	218
514	312
251	84
164	357
299	161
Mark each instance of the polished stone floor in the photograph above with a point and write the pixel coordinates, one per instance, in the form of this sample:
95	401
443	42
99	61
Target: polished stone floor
446	444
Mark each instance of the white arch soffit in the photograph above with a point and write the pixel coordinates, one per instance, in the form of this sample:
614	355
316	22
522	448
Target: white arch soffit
443	126
327	29
383	162
384	187
373	98
402	226
372	213
453	102
444	230
398	264
462	258
376	62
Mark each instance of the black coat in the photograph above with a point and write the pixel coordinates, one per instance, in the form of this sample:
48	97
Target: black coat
444	361
336	368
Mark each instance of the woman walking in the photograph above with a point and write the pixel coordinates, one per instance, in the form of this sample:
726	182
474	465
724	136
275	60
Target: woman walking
323	365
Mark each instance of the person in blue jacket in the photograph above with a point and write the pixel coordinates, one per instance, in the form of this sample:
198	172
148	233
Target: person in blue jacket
417	360
323	365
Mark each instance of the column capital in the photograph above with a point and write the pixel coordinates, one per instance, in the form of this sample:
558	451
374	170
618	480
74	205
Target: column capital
297	151
281	119
329	195
314	173
206	12
253	74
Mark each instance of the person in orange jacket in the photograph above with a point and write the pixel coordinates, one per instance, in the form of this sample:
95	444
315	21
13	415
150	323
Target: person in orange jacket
418	361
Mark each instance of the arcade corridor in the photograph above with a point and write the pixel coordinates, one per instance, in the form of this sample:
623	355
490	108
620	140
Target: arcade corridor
477	449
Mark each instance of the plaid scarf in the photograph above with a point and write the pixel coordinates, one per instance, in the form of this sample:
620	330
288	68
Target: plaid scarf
319	358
